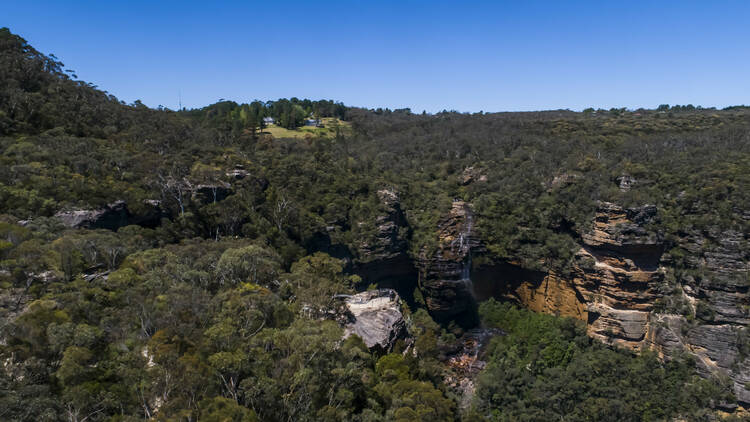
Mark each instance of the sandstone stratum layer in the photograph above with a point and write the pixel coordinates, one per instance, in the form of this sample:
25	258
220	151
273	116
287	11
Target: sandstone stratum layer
624	286
624	282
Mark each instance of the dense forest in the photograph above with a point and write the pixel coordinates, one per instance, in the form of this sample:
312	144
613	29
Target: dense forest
185	265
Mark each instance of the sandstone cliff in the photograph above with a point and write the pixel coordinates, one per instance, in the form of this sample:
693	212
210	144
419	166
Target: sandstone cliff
633	287
383	258
626	288
444	276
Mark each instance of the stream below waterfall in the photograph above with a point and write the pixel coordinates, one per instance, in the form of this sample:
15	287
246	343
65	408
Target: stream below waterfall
466	363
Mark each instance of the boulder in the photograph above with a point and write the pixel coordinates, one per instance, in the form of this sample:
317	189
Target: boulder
375	316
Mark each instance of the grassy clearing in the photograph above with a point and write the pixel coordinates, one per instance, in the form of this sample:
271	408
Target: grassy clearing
330	124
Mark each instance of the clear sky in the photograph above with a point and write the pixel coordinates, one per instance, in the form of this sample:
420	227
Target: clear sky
426	55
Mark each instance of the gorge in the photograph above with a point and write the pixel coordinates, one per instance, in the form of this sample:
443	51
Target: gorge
621	284
304	260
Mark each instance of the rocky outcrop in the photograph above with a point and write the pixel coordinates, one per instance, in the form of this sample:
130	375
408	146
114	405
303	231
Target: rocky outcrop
621	283
623	230
626	182
376	317
619	290
471	175
237	173
714	282
210	193
113	216
612	285
717	275
631	295
562	180
383	258
444	276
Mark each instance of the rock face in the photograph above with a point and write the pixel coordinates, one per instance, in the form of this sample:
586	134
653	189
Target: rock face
623	230
622	284
562	180
617	274
625	182
536	290
444	276
384	258
210	193
627	290
466	362
112	216
376	317
613	283
716	288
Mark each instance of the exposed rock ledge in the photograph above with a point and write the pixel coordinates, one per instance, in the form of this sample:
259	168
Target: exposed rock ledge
112	216
376	317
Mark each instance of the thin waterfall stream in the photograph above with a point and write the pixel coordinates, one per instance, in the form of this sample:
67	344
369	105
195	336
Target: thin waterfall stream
465	249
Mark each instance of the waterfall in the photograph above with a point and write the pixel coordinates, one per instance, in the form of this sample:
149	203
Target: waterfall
465	247
466	269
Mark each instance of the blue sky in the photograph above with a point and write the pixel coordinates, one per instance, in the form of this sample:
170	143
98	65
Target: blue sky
426	55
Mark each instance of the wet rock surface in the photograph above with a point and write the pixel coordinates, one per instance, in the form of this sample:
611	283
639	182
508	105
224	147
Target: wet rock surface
465	364
444	277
